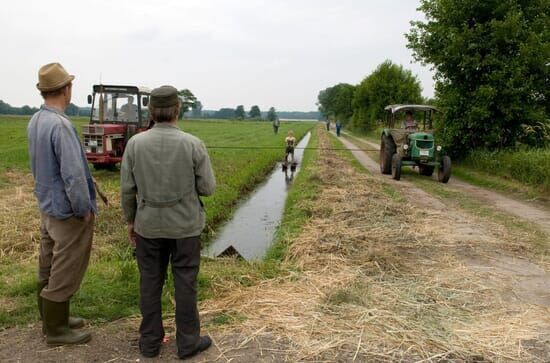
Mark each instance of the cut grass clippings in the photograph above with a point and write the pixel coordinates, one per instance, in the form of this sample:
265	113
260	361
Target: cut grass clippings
378	279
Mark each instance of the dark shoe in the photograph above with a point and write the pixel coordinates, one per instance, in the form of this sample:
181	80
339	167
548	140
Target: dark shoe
204	343
150	353
74	322
56	322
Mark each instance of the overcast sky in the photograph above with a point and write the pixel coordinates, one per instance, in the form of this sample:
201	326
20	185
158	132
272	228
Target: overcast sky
271	53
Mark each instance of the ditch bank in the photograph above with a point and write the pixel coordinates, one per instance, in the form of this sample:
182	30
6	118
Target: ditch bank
251	230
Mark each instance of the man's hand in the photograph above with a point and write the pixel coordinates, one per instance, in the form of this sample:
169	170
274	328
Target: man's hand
88	217
132	237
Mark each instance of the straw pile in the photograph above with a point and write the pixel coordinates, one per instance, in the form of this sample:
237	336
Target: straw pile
378	279
19	218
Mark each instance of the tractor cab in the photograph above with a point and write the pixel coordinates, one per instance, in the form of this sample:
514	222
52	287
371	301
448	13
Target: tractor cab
408	140
118	113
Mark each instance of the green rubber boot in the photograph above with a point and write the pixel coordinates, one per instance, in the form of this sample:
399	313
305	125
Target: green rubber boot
56	321
74	322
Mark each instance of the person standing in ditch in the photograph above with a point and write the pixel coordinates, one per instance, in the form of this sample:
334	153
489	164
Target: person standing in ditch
67	203
163	173
290	142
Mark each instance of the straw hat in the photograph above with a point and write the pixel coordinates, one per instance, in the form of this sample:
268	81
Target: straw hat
52	77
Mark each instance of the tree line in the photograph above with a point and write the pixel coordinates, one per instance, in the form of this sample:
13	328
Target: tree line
72	110
362	105
491	61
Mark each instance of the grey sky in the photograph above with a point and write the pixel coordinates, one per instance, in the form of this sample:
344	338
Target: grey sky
271	53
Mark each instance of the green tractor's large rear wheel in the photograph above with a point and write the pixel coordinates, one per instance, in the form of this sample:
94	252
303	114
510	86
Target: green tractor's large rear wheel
396	166
427	170
444	170
387	149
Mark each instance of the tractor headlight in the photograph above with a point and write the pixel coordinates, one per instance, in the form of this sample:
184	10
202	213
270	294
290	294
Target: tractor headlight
439	147
405	147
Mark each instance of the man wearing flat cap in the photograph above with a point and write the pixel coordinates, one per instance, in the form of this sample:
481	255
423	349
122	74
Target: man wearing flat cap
67	202
164	172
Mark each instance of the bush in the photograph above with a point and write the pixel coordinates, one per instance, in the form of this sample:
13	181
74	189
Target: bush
531	167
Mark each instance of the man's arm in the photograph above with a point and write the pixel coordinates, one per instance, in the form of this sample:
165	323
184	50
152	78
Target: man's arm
68	151
128	188
205	181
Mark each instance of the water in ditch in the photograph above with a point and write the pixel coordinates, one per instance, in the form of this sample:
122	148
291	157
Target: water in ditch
251	230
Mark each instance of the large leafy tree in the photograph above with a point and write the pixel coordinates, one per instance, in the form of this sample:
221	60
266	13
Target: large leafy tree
271	114
240	112
388	84
255	112
188	99
336	101
491	62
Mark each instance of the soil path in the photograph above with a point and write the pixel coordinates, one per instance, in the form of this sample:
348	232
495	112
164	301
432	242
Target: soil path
525	210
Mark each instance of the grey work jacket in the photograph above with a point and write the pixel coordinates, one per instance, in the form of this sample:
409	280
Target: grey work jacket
164	171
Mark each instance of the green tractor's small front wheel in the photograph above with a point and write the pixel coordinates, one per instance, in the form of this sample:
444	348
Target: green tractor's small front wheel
444	171
396	166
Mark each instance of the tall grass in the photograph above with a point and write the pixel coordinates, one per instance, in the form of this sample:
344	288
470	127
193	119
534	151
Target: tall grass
530	167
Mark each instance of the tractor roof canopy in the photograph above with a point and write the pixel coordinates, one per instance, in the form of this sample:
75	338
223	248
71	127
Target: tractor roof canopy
401	108
121	89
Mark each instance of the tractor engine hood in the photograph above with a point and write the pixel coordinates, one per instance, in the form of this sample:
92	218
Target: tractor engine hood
421	136
103	129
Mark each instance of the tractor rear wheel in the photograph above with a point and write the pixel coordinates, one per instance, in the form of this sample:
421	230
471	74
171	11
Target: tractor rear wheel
444	171
396	166
427	170
387	149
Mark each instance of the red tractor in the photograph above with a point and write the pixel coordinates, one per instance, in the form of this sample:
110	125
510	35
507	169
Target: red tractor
118	113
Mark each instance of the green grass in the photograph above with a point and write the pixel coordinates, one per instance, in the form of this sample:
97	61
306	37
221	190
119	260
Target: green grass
110	287
527	168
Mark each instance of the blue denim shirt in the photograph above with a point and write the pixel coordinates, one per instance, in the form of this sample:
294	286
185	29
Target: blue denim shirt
63	183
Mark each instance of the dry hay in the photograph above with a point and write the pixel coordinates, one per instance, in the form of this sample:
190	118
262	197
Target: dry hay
19	217
380	280
20	220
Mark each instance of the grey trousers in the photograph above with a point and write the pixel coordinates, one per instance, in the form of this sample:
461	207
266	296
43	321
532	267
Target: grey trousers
65	247
153	256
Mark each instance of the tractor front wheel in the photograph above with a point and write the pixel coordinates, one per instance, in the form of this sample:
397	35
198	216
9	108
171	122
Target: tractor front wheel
387	149
396	166
444	171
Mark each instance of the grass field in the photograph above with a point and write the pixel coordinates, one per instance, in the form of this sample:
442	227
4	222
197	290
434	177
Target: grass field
109	290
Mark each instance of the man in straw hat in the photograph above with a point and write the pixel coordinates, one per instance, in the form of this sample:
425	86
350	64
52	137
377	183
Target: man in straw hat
163	173
67	203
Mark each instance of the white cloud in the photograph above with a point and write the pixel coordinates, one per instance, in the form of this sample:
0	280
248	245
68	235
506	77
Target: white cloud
278	53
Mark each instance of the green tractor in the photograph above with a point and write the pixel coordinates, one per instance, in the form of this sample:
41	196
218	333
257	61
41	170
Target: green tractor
410	144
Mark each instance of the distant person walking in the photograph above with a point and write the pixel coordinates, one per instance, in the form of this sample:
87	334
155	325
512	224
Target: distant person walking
338	128
163	173
67	203
276	124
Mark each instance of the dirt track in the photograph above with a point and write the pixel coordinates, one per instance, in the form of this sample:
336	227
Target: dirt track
522	209
370	278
